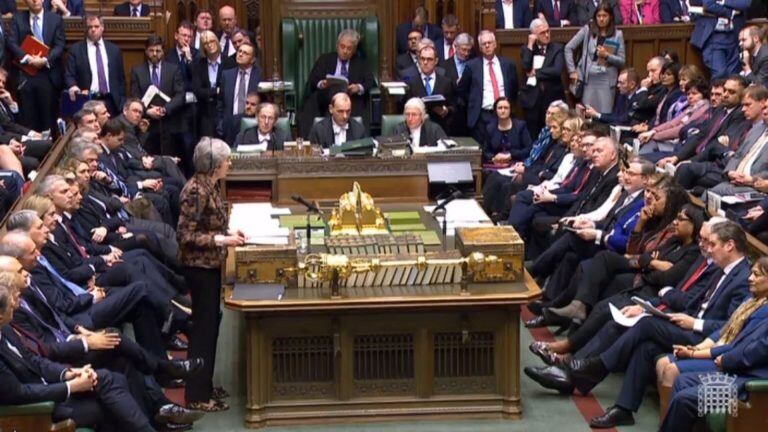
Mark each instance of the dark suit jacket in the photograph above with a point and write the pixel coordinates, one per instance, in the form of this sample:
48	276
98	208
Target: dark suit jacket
39	323
124	9
432	31
171	83
582	12
76	8
549	79
171	56
545	7
645	103
317	101
9	125
704	27
728	297
64	257
78	71
521	14
207	96
53	37
747	354
7	6
595	192
677	299
733	126
430	133
519	145
29	378
251	136
759	66
226	100
670	9
470	86
322	132
442	85
402	62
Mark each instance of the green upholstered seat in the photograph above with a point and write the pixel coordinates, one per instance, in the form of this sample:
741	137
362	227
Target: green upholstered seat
249	122
317	119
40	408
388	123
751	416
304	40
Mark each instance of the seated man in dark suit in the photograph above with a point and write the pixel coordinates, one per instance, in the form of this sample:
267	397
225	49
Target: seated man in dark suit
132	8
431	83
623	114
346	62
106	81
421	131
420	21
637	349
235	85
338	127
513	14
92	398
265	134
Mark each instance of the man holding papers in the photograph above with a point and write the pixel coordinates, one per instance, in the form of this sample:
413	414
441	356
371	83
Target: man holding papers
435	89
343	63
40	72
543	63
166	77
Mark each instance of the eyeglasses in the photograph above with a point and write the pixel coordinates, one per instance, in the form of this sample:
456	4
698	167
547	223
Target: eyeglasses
427	59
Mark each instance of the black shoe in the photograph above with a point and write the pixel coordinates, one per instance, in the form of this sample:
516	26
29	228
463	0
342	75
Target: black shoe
173	413
587	373
551	377
536	307
615	416
176	344
541	349
555	320
181	368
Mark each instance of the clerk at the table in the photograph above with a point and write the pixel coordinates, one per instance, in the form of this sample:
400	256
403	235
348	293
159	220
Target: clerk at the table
265	134
337	128
417	125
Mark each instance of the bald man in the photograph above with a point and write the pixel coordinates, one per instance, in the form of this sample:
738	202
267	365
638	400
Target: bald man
228	25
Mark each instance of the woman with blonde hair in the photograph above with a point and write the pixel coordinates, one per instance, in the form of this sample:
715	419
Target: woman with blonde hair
44	208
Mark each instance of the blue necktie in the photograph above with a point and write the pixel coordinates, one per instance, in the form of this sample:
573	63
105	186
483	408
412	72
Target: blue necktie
427	86
155	77
36	27
115	179
60	333
75	288
344	71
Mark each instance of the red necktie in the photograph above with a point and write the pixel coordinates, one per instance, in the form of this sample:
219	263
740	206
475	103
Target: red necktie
692	280
557	11
451	51
68	229
494	82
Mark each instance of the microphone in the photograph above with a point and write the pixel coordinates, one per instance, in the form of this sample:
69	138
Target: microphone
311	206
455	195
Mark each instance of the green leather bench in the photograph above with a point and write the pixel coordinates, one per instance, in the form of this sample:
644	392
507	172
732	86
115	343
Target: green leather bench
249	122
752	415
388	123
34	417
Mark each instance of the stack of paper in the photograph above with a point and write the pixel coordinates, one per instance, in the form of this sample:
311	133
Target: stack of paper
462	213
256	221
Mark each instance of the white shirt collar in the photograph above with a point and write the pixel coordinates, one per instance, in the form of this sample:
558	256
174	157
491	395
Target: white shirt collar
263	137
216	62
731	266
93	43
431	78
337	128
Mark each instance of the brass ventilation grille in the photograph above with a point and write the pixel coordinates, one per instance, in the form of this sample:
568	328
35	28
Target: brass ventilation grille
383	357
464	354
302	359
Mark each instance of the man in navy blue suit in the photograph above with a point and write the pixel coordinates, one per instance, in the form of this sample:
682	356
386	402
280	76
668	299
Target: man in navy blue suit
716	35
183	55
131	8
673	11
421	22
637	349
486	79
558	13
513	14
38	93
444	44
95	66
236	83
547	75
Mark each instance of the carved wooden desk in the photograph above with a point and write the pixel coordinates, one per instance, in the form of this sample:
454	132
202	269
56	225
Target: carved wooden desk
325	178
384	353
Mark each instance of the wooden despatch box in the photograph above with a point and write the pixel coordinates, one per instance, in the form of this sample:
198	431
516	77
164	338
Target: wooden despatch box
502	241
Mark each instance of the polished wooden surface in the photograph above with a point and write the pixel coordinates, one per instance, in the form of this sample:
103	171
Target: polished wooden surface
324	178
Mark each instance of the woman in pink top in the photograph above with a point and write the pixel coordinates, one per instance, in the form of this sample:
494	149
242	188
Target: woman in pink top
641	12
698	106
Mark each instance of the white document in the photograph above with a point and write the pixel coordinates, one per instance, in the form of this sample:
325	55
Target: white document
507	172
538	62
150	94
621	320
249	148
531	81
429	149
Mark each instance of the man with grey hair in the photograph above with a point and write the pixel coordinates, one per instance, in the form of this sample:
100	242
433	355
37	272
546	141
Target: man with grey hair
265	134
543	62
99	109
485	80
462	52
346	62
421	131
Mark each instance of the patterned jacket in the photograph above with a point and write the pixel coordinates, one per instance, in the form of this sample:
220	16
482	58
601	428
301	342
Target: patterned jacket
202	216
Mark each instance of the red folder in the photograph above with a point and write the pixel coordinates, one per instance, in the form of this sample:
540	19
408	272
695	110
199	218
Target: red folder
33	46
